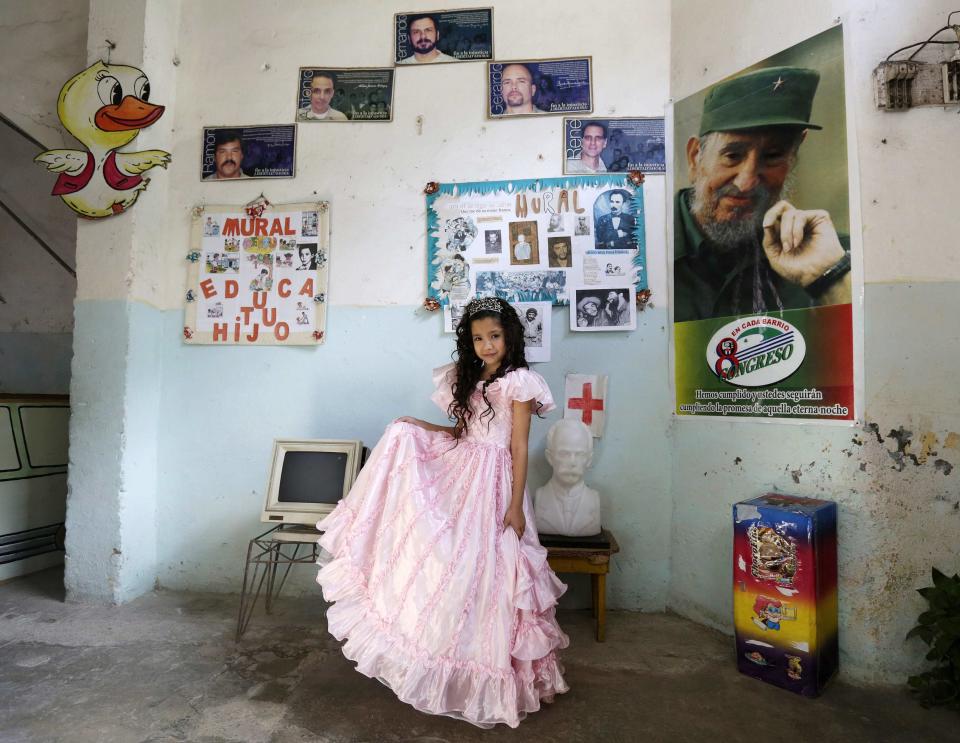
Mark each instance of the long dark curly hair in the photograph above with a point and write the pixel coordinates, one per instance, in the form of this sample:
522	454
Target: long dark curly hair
469	366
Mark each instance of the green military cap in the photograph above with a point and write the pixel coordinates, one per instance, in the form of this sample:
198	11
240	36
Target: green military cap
774	96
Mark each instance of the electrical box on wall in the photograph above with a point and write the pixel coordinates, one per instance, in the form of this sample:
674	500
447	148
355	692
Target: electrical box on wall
901	84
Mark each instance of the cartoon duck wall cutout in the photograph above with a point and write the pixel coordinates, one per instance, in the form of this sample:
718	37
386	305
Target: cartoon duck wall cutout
104	107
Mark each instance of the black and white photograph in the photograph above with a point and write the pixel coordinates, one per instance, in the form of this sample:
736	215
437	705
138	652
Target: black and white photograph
493	242
538	87
582	227
452	314
307	257
215	309
615	224
242	152
461	232
608	308
442	36
524	244
454	277
557	223
523	286
617	145
535	318
308	224
345	94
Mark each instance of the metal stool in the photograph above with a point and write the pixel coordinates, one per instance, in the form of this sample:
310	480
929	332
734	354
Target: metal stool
267	552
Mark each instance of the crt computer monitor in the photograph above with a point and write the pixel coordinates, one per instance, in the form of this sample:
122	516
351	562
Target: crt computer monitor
308	477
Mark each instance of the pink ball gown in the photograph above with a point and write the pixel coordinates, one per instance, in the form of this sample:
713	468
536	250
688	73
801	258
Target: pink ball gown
435	599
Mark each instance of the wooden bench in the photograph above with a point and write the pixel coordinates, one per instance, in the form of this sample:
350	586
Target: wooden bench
585	555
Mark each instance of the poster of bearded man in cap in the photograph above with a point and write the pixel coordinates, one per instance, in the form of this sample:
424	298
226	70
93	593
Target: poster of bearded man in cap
762	284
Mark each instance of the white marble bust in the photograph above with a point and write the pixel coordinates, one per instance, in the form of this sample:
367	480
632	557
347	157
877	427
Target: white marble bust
565	505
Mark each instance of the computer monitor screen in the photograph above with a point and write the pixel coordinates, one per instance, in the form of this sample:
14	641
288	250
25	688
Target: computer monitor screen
312	477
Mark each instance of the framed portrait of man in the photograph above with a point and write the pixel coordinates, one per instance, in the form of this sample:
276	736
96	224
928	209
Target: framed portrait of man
613	145
337	94
538	87
235	153
443	36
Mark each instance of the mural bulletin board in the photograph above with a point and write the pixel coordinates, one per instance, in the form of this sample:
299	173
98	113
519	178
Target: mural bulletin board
537	240
258	275
763	297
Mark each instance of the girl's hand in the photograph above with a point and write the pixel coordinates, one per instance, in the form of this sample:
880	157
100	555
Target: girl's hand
515	519
413	421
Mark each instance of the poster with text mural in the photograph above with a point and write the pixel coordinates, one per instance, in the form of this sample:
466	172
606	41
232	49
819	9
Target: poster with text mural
762	299
258	277
533	240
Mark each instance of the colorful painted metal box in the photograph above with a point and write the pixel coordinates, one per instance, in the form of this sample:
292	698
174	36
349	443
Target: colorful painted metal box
785	590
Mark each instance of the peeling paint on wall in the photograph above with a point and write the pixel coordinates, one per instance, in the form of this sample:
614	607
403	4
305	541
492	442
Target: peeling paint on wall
903	454
942	465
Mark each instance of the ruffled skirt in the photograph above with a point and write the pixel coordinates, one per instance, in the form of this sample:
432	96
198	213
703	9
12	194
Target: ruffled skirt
433	597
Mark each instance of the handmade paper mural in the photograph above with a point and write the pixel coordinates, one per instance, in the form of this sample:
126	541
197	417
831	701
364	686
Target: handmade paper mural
104	107
258	275
531	240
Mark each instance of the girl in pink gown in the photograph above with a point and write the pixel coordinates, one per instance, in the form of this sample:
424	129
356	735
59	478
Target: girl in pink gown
438	581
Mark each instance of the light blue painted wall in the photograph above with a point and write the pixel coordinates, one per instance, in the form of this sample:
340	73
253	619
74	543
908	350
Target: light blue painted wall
96	437
112	481
35	363
897	517
222	407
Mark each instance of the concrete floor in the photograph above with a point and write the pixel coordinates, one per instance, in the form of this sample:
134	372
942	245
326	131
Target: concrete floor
166	668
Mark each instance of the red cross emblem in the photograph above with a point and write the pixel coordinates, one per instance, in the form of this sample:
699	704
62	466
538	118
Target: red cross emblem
587	403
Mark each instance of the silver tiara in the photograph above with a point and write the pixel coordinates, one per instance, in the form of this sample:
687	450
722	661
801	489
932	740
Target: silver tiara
491	304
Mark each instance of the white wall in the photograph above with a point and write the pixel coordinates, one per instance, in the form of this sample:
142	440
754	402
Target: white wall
898	515
203	467
233	71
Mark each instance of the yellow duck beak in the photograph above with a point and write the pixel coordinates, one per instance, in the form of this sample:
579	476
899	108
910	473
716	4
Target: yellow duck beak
131	113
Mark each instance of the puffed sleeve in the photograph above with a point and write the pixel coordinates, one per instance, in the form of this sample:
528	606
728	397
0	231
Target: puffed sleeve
443	379
524	384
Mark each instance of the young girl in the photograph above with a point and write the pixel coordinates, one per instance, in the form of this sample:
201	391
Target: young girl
438	580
